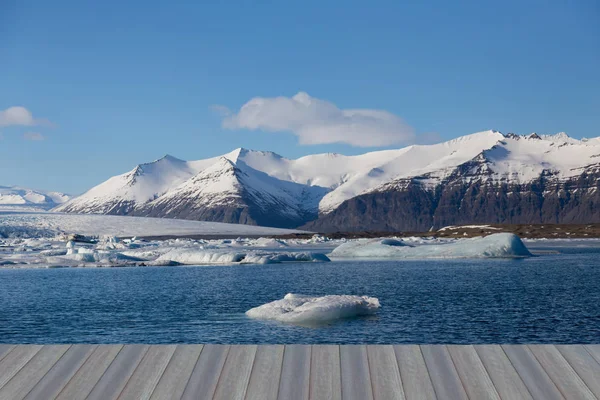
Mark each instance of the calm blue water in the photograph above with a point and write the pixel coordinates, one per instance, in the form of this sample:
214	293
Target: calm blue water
551	298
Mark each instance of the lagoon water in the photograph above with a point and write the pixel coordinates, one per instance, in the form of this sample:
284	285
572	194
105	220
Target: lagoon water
553	298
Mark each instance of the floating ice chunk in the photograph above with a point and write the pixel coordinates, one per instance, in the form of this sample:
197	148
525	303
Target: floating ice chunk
195	257
275	258
269	242
498	245
309	310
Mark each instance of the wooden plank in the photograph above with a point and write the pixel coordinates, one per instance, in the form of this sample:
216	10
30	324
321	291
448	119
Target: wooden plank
561	373
444	376
506	380
531	372
266	372
5	349
60	374
118	373
584	364
416	382
236	373
84	380
472	372
148	372
177	374
204	378
384	372
356	379
295	373
15	360
594	350
32	372
325	373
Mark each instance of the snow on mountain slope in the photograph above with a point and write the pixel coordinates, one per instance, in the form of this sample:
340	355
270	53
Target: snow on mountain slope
228	188
411	161
523	159
15	196
120	194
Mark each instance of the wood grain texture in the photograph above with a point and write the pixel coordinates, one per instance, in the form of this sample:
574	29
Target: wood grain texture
325	373
5	349
142	382
205	377
442	371
31	373
236	373
266	373
416	382
15	360
594	350
356	378
177	373
84	380
61	373
584	364
506	380
531	372
561	373
118	373
385	375
472	372
295	373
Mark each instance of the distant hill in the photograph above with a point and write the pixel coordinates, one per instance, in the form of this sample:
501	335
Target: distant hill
15	197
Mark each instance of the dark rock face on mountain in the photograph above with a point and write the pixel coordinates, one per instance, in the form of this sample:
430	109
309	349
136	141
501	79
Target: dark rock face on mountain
468	198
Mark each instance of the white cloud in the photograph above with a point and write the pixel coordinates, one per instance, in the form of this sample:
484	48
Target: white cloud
20	116
33	136
317	121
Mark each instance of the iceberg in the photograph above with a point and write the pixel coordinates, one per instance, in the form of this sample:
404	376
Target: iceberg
195	257
220	256
311	310
498	245
276	258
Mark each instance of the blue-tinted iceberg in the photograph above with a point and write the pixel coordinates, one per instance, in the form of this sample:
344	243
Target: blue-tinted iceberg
498	245
311	310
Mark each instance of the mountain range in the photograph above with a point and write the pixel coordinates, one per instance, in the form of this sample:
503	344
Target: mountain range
486	177
24	198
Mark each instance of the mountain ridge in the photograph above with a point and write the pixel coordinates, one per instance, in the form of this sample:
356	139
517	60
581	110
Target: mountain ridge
264	188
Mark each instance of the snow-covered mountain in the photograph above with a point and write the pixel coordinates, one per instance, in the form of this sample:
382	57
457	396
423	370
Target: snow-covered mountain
258	187
23	198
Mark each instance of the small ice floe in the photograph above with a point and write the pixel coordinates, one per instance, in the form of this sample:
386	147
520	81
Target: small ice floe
311	310
195	257
276	258
217	256
498	245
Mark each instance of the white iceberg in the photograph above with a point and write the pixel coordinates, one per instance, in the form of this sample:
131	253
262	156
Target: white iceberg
219	256
311	310
195	257
498	245
276	258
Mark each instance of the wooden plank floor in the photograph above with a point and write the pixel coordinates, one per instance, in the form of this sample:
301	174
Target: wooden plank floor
299	372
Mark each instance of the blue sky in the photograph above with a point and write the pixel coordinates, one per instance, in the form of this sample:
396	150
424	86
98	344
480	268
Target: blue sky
111	84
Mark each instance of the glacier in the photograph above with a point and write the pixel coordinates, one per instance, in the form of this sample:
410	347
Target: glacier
313	310
498	245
